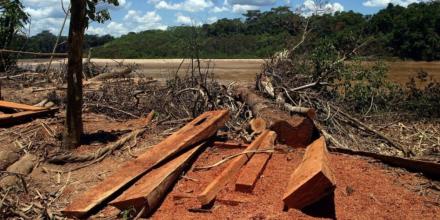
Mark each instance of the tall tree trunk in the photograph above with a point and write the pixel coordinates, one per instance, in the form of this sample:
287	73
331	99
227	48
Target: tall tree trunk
73	125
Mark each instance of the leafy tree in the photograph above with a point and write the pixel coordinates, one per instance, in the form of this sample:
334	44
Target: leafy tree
82	11
12	20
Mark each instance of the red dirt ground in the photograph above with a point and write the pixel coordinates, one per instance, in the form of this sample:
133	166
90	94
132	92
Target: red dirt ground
365	190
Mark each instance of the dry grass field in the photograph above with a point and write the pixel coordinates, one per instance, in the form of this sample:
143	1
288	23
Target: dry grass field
244	70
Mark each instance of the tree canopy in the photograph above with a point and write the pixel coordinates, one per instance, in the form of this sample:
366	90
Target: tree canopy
406	33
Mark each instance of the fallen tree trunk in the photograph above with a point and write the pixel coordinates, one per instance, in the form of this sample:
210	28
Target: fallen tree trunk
258	125
211	191
430	169
116	74
8	156
198	130
255	167
147	193
295	131
312	180
22	167
406	151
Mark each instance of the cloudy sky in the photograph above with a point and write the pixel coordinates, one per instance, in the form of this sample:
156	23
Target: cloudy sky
139	15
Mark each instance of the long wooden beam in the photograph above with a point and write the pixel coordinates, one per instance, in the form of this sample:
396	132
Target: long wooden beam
255	167
6	119
312	180
13	105
198	130
229	172
147	193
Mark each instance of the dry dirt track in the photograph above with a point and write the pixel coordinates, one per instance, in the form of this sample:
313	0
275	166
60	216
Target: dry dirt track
244	70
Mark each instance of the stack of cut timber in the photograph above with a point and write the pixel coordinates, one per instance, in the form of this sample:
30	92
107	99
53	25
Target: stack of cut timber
195	132
312	180
25	112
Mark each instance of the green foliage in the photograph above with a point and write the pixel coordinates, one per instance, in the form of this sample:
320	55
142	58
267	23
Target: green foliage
423	95
102	15
367	88
44	41
12	20
412	32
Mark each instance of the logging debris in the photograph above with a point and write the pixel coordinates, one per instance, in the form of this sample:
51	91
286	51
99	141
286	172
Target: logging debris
179	100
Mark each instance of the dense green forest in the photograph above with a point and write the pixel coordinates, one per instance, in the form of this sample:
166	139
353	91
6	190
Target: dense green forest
45	41
406	33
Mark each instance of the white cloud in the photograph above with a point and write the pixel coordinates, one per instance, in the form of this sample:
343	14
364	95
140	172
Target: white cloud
182	19
212	20
186	5
383	3
309	8
218	9
49	15
252	2
243	8
133	21
45	15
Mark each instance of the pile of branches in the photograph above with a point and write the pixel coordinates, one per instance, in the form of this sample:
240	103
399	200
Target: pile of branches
186	94
341	91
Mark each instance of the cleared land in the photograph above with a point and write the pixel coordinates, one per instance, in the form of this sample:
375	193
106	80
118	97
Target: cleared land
243	70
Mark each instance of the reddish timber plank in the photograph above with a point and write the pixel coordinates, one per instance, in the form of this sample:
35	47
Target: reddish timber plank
13	105
312	180
16	117
255	167
200	129
148	192
229	172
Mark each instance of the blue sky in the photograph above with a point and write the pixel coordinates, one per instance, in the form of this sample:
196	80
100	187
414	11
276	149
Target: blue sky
139	15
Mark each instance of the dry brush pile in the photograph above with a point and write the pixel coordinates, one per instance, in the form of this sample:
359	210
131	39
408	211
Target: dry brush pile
352	98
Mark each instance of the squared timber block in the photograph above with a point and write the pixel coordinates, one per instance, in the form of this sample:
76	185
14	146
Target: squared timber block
312	180
198	130
256	165
148	192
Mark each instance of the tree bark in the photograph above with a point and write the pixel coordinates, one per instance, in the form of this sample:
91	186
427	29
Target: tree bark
73	125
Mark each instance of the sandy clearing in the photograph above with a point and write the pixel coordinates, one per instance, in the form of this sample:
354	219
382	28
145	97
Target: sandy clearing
241	70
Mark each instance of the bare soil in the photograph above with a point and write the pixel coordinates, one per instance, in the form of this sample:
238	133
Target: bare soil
245	70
